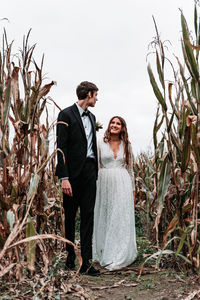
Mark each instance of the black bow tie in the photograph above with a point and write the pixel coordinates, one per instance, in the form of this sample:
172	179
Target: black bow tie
85	113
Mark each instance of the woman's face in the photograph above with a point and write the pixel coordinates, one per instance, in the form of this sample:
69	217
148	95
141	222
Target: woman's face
115	126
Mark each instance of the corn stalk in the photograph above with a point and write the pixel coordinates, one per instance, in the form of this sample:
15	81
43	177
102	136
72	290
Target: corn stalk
176	159
29	195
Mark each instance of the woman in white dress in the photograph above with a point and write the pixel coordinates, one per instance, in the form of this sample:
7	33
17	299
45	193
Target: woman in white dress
114	241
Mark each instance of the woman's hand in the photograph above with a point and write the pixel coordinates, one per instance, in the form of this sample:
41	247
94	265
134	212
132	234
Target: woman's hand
66	187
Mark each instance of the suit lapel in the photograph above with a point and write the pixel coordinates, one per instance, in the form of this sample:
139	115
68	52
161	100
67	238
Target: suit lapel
93	124
78	117
92	119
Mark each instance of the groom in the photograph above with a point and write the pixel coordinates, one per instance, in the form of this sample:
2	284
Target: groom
76	137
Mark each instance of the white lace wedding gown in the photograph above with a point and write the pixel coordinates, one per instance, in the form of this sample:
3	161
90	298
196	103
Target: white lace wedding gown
114	238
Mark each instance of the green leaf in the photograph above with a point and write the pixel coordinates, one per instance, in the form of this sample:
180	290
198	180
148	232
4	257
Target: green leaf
176	143
185	258
158	254
195	21
164	179
183	237
159	70
188	49
185	112
187	89
173	225
186	58
155	129
33	186
30	246
194	143
198	41
156	89
171	121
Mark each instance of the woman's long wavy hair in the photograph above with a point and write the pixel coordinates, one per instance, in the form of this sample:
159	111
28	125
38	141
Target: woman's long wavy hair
123	136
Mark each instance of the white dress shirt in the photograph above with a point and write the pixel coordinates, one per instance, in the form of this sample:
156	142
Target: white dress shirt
88	131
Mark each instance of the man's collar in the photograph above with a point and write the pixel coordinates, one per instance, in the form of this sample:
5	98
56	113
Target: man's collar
80	109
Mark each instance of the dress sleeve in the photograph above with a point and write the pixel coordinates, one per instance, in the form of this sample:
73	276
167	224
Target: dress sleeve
130	167
100	165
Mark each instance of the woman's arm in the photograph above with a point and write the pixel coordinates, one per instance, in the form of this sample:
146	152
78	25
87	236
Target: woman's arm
100	165
130	167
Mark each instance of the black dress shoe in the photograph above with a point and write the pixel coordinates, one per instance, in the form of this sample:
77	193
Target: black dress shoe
70	265
89	270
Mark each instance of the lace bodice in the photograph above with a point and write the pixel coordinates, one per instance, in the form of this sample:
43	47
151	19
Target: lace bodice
107	159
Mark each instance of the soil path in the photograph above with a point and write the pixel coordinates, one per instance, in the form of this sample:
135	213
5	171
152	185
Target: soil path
121	285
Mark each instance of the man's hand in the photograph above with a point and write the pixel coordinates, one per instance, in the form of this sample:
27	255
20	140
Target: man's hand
66	187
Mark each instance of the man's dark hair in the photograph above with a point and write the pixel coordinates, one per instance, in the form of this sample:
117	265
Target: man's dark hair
84	88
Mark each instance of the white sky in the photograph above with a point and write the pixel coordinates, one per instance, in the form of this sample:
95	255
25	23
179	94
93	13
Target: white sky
103	41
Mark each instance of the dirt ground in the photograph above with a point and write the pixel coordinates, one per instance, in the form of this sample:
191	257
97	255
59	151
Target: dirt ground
59	284
117	285
121	285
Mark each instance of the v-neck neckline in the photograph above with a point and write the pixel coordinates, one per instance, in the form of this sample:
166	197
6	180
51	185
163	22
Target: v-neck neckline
113	151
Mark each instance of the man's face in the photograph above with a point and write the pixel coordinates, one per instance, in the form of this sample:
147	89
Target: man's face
92	99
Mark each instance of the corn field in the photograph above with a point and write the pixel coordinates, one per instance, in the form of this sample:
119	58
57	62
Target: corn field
168	181
30	205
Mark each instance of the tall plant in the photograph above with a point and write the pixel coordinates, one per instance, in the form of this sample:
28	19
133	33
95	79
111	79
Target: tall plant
28	191
177	156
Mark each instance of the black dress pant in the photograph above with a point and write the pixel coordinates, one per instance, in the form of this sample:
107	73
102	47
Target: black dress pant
84	193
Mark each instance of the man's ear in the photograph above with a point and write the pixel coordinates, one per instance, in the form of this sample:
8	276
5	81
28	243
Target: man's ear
89	94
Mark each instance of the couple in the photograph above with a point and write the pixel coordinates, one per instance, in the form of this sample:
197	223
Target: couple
114	239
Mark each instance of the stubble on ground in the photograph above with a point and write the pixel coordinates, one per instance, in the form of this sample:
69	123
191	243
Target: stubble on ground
123	284
117	285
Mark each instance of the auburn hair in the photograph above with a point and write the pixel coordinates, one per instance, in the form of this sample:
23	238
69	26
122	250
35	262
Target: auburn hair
123	136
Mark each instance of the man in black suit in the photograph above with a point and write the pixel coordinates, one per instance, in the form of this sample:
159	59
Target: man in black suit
76	137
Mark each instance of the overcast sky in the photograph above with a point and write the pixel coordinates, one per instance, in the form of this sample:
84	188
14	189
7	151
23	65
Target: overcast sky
103	41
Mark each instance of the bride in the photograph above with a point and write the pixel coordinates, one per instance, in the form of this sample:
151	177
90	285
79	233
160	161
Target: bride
114	242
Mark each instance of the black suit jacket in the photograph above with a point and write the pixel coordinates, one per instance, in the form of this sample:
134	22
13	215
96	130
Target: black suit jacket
71	139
